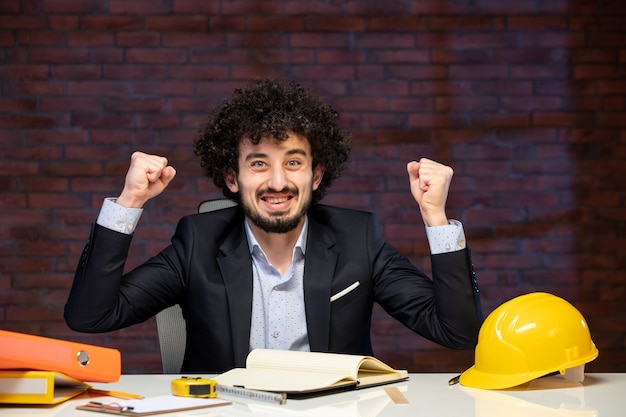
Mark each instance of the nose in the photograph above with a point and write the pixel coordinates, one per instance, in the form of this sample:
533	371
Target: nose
278	179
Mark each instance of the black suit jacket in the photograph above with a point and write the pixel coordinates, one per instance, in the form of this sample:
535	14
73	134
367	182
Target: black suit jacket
207	269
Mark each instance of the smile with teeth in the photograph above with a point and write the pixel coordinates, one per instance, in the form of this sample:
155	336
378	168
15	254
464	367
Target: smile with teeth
276	200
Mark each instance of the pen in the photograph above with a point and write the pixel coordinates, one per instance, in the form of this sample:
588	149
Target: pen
454	380
117	394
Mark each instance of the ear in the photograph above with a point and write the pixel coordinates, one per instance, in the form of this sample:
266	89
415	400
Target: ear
318	174
231	180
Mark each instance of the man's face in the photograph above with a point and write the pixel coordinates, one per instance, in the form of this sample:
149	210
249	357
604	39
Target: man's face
275	182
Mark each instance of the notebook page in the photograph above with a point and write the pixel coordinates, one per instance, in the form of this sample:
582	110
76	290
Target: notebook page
314	362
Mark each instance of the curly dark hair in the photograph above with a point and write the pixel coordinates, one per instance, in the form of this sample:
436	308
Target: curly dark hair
272	108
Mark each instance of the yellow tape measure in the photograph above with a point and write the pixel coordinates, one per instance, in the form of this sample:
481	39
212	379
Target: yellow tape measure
194	387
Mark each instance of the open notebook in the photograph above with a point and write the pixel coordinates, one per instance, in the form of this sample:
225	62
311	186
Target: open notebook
295	372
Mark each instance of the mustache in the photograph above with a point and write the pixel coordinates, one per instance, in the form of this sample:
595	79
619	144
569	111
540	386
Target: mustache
286	190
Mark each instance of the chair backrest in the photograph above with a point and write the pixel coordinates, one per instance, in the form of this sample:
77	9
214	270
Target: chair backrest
170	322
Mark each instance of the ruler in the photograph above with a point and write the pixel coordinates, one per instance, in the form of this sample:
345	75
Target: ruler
272	397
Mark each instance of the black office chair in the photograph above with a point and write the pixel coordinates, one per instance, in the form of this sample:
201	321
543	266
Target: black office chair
171	326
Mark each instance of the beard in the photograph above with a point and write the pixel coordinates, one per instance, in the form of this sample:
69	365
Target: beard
278	223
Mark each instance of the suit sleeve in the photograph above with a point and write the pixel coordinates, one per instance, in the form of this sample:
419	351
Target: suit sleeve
103	298
445	309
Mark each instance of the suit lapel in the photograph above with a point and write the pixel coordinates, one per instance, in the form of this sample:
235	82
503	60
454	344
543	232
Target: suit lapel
319	269
236	269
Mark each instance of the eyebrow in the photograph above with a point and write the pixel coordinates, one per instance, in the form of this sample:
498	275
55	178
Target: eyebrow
254	155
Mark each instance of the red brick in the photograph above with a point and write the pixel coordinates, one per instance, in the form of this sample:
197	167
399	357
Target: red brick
489	40
28	153
178	23
63	168
563	119
598	71
30	121
92	39
64	22
391	88
98	88
227	23
7	38
58	56
54	104
40	314
117	104
43	88
10	7
314	40
461	104
541	23
37	183
138	38
9	22
39	137
267	23
449	56
246	7
335	23
280	56
530	103
505	7
435	7
17	105
76	72
343	72
155	56
188	40
107	56
73	6
397	23
478	71
464	23
340	56
157	121
41	38
139	7
176	88
119	23
88	120
134	72
209	7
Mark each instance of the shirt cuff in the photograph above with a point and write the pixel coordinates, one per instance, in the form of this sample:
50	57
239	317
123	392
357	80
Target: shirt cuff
447	238
118	218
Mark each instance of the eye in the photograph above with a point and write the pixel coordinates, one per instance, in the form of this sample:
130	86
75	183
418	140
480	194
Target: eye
293	163
258	165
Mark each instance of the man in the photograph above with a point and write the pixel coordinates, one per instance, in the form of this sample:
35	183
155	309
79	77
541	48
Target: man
278	271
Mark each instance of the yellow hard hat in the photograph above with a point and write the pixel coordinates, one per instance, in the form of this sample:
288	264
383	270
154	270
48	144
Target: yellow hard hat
528	337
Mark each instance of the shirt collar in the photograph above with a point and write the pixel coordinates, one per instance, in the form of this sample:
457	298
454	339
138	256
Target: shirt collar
300	243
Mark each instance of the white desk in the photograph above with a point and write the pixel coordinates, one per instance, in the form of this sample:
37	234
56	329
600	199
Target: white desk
602	395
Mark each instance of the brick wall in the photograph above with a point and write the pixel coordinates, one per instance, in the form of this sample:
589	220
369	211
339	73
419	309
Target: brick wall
525	99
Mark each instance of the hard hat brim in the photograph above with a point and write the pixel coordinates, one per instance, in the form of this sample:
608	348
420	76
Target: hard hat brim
475	378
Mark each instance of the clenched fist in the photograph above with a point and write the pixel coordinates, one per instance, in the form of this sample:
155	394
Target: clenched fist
147	177
430	182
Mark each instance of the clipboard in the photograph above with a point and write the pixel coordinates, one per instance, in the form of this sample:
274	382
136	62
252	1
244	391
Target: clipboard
160	404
